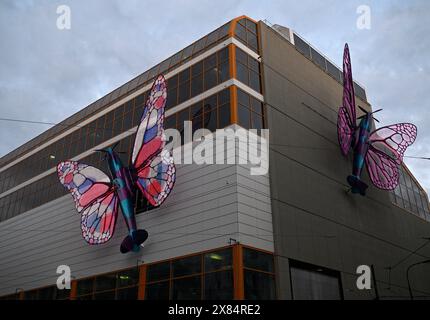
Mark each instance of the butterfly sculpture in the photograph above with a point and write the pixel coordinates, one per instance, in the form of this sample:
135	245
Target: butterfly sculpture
152	170
381	150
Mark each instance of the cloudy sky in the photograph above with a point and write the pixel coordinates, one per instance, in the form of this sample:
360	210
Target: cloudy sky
48	74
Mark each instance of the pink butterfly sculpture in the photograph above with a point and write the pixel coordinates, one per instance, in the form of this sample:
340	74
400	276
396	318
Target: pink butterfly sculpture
152	170
381	150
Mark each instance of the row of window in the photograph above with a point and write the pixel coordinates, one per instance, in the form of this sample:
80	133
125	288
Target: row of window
211	113
248	70
201	276
250	111
187	84
246	32
310	53
409	196
201	77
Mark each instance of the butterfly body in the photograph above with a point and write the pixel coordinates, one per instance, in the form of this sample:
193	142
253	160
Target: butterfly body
359	153
98	197
124	189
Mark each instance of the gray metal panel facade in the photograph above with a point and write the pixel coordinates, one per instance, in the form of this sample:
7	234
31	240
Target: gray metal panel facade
315	220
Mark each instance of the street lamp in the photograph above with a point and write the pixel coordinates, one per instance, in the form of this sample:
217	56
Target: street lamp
407	275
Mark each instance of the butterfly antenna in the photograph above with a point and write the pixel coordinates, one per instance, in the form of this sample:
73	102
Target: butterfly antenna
364	110
376	111
115	145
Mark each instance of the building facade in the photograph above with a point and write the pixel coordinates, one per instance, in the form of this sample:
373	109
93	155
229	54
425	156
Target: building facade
294	233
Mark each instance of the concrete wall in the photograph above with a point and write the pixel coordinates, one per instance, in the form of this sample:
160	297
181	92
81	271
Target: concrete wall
314	219
209	205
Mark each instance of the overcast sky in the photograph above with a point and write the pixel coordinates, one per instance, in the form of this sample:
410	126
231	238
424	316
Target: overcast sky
48	74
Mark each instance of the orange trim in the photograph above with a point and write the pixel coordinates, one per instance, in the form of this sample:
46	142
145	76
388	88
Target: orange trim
142	282
233	104
232	60
235	21
238	284
233	91
73	290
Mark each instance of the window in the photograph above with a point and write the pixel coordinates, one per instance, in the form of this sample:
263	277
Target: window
246	32
118	285
309	282
201	276
186	288
157	291
410	196
259	286
259	275
219	286
248	70
47	293
250	111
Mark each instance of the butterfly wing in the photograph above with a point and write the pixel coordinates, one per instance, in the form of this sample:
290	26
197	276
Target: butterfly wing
394	139
156	180
383	170
154	166
346	121
387	147
94	198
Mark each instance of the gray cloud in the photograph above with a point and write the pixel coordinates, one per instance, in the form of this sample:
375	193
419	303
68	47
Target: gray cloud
48	74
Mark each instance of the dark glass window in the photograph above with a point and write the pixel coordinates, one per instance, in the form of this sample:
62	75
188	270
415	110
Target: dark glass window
302	46
62	294
85	286
210	78
105	282
157	272
184	92
250	111
196	85
128	277
318	59
172	97
210	62
47	293
184	75
219	285
243	116
218	260
314	283
224	72
240	32
31	295
188	288
197	69
254	81
127	293
157	291
246	32
257	260
186	266
107	295
247	70
259	286
224	116
242	73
